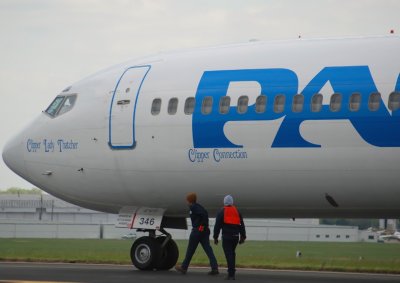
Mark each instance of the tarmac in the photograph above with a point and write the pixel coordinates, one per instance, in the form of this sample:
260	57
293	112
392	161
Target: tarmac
12	272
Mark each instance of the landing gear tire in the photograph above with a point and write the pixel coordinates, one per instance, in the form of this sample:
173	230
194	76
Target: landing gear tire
146	253
169	254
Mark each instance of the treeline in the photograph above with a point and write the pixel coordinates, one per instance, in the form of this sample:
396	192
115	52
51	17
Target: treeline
20	191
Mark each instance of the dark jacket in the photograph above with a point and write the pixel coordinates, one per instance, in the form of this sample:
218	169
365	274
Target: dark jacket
198	215
229	231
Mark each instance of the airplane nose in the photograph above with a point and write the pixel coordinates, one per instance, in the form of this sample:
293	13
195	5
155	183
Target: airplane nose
13	156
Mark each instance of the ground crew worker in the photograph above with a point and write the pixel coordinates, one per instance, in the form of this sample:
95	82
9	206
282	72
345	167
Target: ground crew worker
200	234
231	222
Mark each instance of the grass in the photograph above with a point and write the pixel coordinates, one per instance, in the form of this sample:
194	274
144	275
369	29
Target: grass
355	257
65	250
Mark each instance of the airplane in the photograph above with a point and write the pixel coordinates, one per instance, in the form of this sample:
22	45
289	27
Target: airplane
387	237
291	128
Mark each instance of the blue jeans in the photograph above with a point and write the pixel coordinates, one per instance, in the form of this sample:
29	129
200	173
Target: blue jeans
203	238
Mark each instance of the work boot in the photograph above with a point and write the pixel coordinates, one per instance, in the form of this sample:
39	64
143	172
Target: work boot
213	272
180	269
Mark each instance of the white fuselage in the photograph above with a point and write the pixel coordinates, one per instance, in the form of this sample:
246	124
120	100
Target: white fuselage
110	151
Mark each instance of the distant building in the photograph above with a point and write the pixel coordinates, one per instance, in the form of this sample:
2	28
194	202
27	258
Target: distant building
388	224
47	208
44	216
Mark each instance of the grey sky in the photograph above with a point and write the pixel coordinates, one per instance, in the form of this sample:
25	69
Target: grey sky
45	45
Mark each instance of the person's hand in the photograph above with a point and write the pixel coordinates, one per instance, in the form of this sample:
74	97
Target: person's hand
216	241
241	240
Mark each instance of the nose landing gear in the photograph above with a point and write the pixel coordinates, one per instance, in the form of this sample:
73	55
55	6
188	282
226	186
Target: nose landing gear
169	253
151	252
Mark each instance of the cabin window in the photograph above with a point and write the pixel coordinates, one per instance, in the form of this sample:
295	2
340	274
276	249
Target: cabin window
298	103
52	110
279	103
261	103
243	103
336	102
224	104
172	106
374	101
189	105
316	102
355	102
207	104
394	101
156	106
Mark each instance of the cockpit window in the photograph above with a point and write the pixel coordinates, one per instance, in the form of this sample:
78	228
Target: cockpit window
61	105
52	110
68	104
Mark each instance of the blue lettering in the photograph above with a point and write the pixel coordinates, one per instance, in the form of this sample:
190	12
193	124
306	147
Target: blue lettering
66	145
192	155
378	128
199	156
32	146
208	129
48	145
237	154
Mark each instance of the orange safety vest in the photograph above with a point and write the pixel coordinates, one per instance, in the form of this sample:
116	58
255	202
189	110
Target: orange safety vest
231	215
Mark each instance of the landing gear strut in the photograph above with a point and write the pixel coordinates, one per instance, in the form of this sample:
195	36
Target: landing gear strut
151	252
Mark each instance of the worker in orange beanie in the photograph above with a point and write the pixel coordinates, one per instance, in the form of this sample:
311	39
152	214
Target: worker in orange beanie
200	234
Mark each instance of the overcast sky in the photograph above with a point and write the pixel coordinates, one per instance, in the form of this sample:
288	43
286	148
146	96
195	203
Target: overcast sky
45	45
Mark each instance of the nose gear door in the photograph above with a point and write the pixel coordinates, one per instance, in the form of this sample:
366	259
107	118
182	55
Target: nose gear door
123	108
